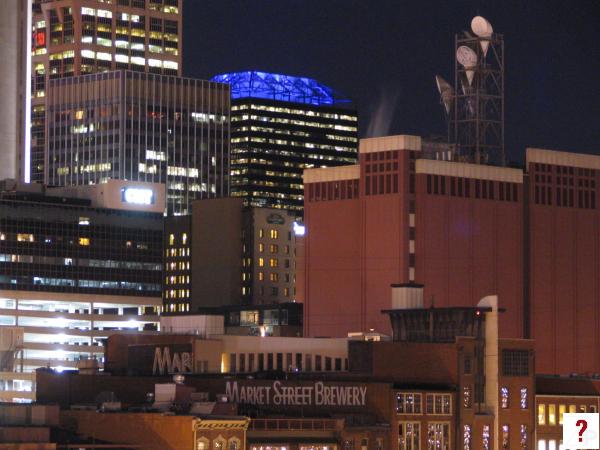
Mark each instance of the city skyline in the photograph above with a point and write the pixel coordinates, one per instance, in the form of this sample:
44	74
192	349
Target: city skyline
366	52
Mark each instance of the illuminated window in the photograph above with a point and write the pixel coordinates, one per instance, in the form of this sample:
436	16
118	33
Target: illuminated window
274	276
286	292
467	437
25	237
261	247
542	414
485	435
524	438
184	238
409	436
438	404
261	275
84	241
572	409
79	114
261	233
524	399
438	435
273	248
561	410
408	403
171	239
274	234
274	262
551	414
261	262
505	437
504	397
467	397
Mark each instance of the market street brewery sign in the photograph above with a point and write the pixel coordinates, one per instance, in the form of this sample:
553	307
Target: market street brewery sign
280	394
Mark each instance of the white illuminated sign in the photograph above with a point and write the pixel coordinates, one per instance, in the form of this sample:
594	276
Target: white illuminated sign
138	196
299	230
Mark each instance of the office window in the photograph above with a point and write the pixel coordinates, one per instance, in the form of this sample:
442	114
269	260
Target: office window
171	239
261	262
438	436
541	414
274	234
274	262
409	436
408	403
504	397
84	241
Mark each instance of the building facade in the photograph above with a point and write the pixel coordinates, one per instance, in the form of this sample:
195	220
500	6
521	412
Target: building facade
463	231
449	384
281	125
229	254
141	127
72	274
15	35
78	37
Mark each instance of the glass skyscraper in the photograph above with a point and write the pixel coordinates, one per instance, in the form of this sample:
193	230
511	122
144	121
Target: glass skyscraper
281	125
140	127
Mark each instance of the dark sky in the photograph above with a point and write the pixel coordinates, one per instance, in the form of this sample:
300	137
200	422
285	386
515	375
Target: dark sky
385	54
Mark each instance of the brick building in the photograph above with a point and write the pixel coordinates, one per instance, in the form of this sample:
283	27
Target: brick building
463	231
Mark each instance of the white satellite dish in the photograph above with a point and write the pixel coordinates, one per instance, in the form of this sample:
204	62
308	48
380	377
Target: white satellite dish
468	59
446	92
482	28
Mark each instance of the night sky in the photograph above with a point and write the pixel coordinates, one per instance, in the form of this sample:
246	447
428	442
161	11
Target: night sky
384	54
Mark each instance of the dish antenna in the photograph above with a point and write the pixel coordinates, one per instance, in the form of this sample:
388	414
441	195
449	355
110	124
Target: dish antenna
446	92
468	59
482	28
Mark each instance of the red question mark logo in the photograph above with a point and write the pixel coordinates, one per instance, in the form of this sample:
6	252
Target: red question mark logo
583	424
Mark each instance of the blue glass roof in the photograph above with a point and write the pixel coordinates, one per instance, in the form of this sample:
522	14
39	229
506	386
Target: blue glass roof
275	86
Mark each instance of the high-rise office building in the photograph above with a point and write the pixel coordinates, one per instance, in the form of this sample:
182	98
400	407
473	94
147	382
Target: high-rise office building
281	125
15	36
141	127
77	37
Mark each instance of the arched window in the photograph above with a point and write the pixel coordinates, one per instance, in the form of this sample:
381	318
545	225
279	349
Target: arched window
234	444
202	444
219	443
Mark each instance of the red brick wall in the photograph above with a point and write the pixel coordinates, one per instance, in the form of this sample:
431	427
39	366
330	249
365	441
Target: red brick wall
565	269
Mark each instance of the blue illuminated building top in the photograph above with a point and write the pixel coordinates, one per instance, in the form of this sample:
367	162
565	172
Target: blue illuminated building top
274	86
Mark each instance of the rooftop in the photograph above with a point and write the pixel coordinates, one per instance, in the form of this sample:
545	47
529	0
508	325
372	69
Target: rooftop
275	86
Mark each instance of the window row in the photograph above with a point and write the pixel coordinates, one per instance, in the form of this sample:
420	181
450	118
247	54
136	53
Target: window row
552	414
463	187
333	190
411	403
251	362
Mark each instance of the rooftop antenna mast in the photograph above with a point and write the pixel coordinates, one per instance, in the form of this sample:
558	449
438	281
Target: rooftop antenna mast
475	106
